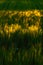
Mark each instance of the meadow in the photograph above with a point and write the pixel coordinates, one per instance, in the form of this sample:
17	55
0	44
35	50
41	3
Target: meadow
21	37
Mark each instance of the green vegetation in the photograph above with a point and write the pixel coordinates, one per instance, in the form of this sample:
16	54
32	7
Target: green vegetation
21	37
21	32
21	5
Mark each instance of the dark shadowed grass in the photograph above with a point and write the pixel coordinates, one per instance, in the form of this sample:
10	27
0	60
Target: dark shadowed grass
21	5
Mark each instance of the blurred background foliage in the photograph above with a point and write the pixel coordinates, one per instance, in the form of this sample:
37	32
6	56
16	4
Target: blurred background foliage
21	37
21	4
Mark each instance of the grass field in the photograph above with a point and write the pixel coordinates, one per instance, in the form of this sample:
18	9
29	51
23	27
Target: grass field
21	37
21	32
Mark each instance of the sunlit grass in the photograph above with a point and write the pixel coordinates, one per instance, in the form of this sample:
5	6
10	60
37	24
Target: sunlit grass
37	13
33	28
